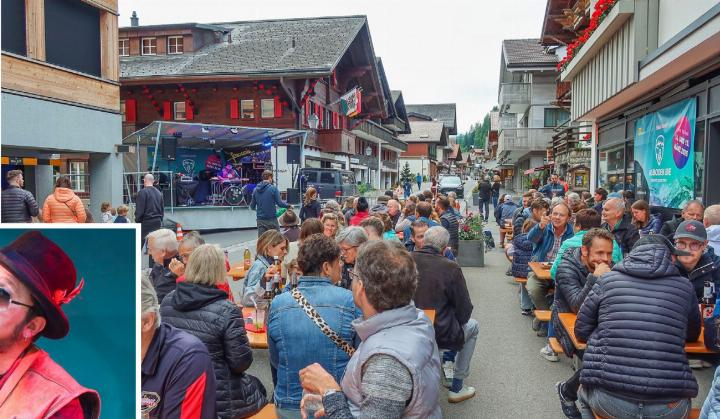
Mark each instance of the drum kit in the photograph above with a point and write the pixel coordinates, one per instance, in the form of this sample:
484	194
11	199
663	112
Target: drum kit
230	192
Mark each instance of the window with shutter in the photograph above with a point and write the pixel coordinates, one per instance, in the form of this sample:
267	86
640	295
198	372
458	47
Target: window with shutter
234	109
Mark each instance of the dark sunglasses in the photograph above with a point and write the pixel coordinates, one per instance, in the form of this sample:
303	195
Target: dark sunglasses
5	301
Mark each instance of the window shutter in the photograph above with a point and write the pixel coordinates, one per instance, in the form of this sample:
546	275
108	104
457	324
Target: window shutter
188	111
234	109
336	121
319	113
307	110
130	110
278	108
167	110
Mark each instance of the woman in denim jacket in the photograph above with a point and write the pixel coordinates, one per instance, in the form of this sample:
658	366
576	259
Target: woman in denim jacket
294	340
270	244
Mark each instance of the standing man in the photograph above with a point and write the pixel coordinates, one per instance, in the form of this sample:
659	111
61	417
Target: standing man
449	221
18	205
553	188
711	221
619	223
36	278
264	199
418	180
485	195
693	211
149	209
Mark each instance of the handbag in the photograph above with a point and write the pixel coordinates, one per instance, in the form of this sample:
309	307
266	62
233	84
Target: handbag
321	324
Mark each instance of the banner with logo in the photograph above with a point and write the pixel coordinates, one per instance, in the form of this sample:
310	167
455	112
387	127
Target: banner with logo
351	102
664	154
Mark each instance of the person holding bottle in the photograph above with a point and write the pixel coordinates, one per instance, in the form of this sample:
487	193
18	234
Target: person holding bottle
271	243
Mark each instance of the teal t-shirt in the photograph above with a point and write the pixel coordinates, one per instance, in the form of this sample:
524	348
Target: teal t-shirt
576	241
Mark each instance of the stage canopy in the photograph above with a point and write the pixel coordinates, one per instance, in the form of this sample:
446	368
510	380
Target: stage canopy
197	135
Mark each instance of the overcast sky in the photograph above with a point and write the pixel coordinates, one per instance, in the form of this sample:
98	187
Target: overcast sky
434	51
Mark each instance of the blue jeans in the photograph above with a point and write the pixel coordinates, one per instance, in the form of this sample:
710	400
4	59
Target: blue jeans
462	360
495	199
607	405
525	301
484	204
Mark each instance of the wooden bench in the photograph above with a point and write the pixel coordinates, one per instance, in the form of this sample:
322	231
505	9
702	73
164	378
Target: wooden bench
520	280
267	412
431	314
543	315
555	345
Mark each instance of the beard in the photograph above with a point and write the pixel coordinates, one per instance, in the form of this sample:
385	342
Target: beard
8	342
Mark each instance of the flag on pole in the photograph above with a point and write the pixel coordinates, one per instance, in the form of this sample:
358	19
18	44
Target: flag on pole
350	102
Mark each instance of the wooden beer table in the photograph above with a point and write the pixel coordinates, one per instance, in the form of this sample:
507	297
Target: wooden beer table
257	340
540	271
237	272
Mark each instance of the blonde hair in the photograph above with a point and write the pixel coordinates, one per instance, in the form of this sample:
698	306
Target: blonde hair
206	266
267	239
122	210
105	206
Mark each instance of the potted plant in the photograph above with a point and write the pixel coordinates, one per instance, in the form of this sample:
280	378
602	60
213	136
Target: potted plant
471	249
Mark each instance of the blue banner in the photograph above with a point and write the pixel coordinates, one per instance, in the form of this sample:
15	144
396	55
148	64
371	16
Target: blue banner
664	155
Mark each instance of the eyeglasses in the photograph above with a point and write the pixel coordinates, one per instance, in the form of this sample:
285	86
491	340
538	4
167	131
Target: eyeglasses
693	246
347	249
5	301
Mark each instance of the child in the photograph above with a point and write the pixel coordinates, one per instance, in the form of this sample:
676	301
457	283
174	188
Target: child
106	210
521	256
122	211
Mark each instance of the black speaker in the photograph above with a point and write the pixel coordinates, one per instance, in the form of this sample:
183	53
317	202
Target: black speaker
168	148
293	154
293	196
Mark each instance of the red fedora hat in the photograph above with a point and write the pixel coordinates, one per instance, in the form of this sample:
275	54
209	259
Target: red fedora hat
50	275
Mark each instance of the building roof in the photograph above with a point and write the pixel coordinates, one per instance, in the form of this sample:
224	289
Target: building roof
172	26
456	153
425	132
445	112
527	53
258	47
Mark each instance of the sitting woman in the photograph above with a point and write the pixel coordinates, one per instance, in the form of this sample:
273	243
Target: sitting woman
289	225
331	225
522	256
645	222
199	308
270	244
294	339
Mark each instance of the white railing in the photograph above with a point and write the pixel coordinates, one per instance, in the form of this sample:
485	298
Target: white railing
524	139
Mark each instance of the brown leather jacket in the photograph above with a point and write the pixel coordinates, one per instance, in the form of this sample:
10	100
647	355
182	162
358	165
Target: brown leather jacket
39	388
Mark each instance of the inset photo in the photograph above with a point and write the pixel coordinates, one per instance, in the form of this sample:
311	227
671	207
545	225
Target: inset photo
67	322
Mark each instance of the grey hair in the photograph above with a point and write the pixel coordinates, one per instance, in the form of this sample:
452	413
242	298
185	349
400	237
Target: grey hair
388	274
712	215
332	205
437	237
556	201
148	299
693	202
354	236
572	197
192	239
617	202
164	239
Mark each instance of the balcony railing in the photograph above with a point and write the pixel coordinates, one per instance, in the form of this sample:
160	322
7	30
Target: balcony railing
525	139
390	164
508	121
515	97
377	132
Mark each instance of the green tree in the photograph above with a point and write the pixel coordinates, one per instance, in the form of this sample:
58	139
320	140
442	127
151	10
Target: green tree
406	175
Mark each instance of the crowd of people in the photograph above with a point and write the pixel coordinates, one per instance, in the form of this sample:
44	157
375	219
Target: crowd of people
351	333
636	285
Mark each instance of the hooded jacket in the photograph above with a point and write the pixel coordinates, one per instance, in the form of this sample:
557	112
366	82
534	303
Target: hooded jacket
522	256
636	320
508	208
63	206
653	226
264	199
206	313
707	269
626	234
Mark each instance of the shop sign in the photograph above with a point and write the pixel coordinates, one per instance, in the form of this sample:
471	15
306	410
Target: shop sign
664	155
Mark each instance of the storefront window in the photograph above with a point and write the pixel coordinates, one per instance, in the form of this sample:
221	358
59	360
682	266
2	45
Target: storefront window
611	165
699	159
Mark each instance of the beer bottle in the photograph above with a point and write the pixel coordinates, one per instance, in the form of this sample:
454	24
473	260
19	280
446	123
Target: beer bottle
707	300
276	278
247	263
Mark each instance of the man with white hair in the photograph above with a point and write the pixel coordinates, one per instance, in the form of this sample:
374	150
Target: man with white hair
393	210
149	208
619	223
711	221
178	379
442	287
693	210
162	248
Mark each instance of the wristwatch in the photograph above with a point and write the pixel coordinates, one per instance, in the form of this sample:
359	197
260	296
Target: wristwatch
331	391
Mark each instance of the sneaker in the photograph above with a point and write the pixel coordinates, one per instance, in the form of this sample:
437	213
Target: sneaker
548	354
695	364
462	395
526	312
706	364
569	408
536	324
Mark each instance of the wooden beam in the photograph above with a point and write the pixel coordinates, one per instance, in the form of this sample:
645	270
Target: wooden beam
109	54
35	29
45	80
106	5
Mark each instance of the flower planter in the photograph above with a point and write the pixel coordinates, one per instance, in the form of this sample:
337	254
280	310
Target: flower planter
471	253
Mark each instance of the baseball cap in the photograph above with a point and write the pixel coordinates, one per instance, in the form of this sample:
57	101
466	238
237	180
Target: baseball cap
660	239
692	229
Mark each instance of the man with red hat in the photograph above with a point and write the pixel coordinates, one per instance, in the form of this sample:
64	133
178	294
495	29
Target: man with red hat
36	278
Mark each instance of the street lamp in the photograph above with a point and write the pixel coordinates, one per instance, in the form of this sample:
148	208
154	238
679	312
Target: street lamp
313	121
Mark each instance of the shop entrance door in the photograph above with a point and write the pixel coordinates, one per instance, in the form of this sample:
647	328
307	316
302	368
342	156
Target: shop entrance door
712	168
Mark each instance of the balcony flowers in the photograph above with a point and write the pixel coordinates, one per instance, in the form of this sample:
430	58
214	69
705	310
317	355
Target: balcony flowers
602	8
471	228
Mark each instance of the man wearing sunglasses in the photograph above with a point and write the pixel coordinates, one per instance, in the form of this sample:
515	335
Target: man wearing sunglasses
702	264
36	279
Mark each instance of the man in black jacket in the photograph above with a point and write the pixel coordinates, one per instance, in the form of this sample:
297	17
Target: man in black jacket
442	287
448	221
693	210
485	196
149	209
619	223
577	272
18	205
636	321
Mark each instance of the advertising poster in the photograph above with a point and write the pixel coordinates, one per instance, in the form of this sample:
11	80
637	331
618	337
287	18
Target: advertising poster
664	144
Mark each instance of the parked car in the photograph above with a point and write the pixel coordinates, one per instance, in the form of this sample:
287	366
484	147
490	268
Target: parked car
329	183
452	184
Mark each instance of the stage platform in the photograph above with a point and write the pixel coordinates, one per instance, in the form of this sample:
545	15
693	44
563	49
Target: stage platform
212	217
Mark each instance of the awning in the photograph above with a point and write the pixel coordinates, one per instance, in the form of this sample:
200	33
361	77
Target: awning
198	135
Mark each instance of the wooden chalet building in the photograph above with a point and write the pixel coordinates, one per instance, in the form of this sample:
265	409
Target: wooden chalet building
272	74
423	142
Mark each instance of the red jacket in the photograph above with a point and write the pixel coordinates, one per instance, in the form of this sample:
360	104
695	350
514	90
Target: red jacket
358	217
37	387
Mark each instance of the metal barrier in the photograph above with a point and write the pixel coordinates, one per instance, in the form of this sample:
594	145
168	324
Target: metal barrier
133	181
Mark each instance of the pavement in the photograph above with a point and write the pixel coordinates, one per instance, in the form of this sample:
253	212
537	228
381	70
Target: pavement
511	378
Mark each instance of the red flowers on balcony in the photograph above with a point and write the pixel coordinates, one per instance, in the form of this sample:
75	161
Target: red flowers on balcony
602	8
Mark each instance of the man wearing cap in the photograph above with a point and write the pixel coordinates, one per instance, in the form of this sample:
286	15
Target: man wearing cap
702	264
36	278
635	318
